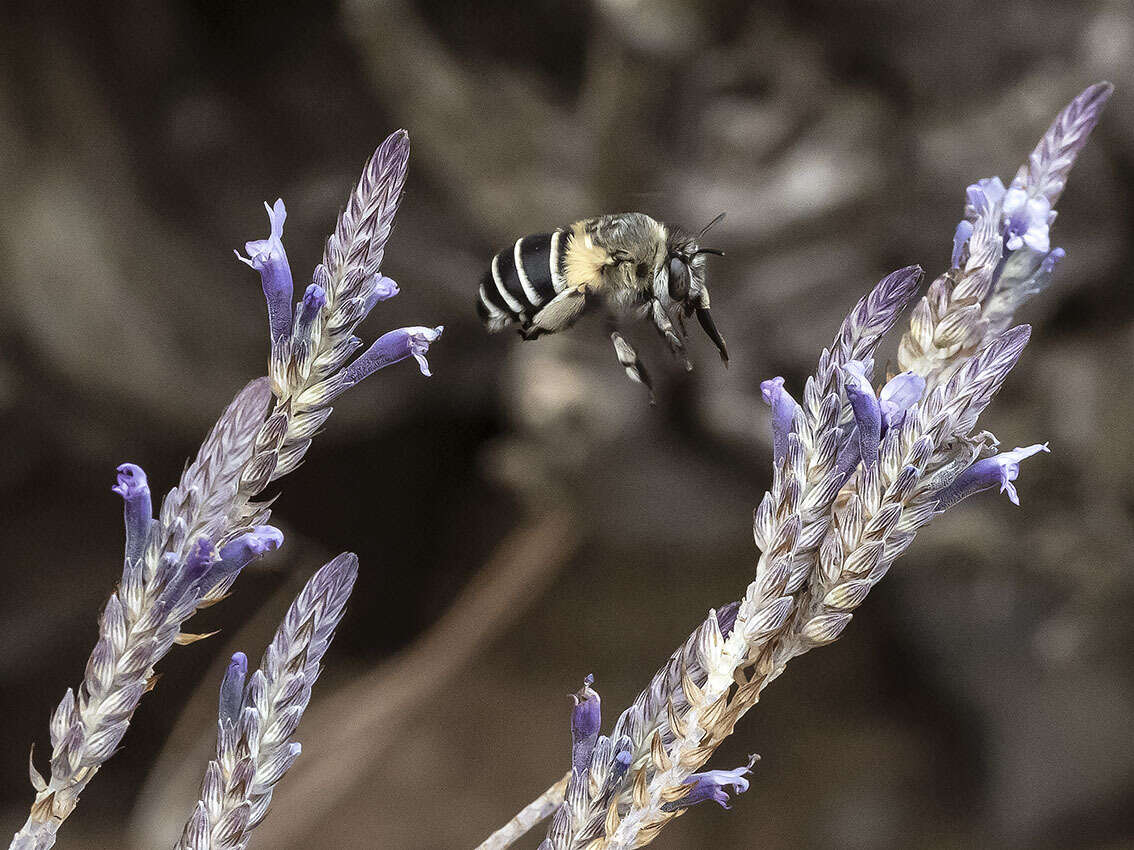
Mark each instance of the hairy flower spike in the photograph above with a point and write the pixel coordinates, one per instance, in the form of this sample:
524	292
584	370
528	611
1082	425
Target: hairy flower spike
268	257
257	717
1002	469
135	492
826	539
171	568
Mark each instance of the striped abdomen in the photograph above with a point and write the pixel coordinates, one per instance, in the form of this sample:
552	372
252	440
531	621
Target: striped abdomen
522	280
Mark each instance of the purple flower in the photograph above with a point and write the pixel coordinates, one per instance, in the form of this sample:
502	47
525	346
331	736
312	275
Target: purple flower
864	405
986	193
239	553
586	720
901	393
314	299
267	256
960	237
382	288
391	348
783	412
711	785
1002	469
138	511
232	688
1026	221
186	578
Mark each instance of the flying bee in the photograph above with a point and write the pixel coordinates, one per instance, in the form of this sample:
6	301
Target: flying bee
628	264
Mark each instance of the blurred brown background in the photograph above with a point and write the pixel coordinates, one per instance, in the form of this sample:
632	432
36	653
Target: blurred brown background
983	695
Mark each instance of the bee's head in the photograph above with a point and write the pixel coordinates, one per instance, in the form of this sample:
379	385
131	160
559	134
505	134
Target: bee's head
684	279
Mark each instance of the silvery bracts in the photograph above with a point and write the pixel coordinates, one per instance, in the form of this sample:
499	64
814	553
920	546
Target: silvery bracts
1002	253
857	472
210	526
258	714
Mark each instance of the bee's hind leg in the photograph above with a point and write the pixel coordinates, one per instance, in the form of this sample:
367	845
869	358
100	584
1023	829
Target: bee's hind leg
665	328
628	357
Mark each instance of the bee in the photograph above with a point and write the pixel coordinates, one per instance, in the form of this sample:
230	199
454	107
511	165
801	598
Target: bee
627	264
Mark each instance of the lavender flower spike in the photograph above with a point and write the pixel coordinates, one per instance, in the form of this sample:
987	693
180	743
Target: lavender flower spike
391	348
783	412
232	688
135	491
268	257
586	720
1002	469
867	411
711	784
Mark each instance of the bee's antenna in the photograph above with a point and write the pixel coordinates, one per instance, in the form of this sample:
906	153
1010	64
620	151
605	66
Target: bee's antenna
716	251
705	229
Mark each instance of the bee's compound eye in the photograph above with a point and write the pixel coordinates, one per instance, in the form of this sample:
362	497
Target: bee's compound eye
642	270
678	279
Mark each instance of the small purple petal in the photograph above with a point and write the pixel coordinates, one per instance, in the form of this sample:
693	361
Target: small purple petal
985	193
268	257
1026	221
232	688
239	553
783	412
1052	261
314	299
391	348
711	785
188	575
586	720
1002	469
960	237
901	393
867	412
382	288
138	510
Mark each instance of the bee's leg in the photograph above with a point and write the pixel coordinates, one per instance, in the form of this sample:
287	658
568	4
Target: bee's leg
558	314
665	328
628	357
